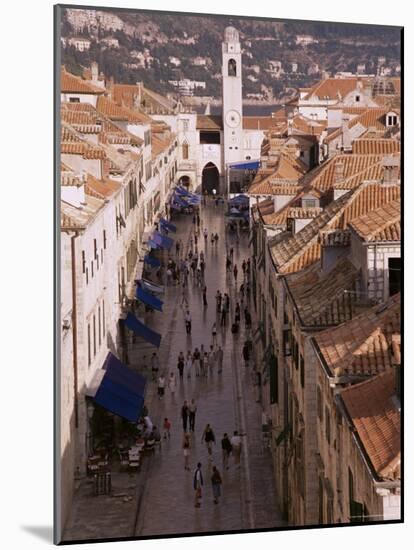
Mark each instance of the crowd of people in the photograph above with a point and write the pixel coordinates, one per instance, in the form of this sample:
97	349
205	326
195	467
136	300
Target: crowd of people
188	267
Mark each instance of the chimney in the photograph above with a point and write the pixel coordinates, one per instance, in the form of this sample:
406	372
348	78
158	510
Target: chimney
94	72
346	135
391	166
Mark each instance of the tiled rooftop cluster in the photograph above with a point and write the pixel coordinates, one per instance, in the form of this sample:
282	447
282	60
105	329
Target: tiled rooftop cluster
99	133
327	266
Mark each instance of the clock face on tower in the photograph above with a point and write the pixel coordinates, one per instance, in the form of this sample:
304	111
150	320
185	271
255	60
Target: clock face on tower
233	118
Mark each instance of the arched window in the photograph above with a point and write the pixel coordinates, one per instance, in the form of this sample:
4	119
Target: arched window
185	150
232	67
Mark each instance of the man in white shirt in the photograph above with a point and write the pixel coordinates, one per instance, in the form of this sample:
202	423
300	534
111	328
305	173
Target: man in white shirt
236	447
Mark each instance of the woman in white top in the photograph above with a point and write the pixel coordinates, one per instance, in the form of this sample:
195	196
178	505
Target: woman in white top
172	383
188	363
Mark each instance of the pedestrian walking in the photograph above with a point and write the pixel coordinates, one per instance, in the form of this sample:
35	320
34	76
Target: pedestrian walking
205	296
214	333
184	415
223	316
237	313
186	451
228	264
220	355
216	238
216	482
188	322
226	449
218	301
180	364
161	386
205	235
172	383
236	447
197	361
155	365
227	302
209	438
235	273
244	266
166	427
192	409
198	485
188	363
202	266
231	253
212	238
201	256
199	277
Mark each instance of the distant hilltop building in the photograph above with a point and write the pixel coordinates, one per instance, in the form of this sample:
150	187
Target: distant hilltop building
186	86
81	18
110	42
80	43
199	61
305	39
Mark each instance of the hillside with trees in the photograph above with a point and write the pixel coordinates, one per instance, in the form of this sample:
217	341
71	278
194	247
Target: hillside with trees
330	47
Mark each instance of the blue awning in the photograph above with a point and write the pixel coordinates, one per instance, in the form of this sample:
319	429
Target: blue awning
240	199
162	240
151	287
248	165
120	373
170	226
182	191
142	330
121	390
148	299
153	244
178	201
152	261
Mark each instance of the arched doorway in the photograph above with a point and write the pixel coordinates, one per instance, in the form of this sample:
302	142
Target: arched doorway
184	181
210	179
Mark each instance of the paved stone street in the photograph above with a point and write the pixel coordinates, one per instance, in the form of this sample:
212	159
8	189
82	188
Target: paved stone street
162	493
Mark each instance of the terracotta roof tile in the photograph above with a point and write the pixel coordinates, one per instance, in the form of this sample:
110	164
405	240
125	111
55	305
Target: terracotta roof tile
382	224
377	420
258	122
209	122
319	296
84	118
101	188
72	143
362	346
69	83
115	112
375	146
333	88
303	248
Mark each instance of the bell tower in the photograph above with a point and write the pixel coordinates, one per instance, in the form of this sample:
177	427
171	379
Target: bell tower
232	97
